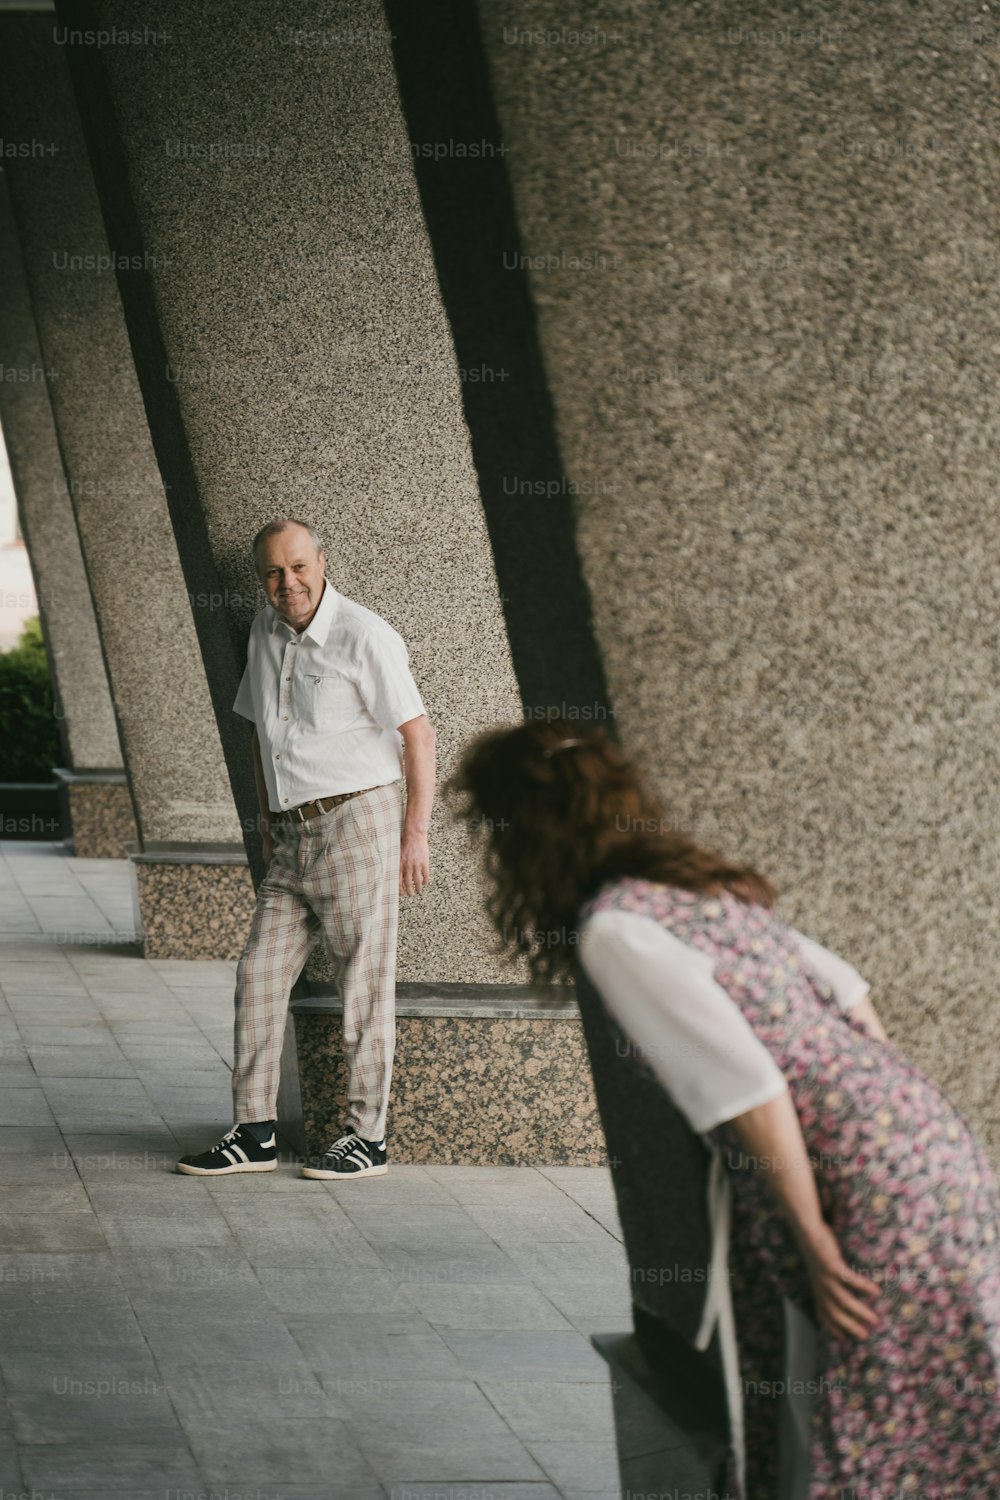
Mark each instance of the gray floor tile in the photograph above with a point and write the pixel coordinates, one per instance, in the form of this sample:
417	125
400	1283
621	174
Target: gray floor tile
191	1270
111	1406
416	1225
462	1489
575	1261
25	1107
160	1465
488	1305
595	1306
541	1223
59	1278
29	1329
336	1291
67	1196
81	1062
579	1464
35	1142
158	1232
277	1451
466	1461
264	1339
501	1354
51	1232
358	1354
450	1265
549	1410
488	1185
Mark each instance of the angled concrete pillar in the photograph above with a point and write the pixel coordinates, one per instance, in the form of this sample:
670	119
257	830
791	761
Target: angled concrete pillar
98	809
190	861
763	259
293	350
295	357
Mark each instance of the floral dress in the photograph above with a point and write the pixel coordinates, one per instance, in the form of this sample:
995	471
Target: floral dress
914	1409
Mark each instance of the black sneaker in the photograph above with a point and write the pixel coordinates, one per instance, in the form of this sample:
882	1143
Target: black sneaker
238	1151
349	1156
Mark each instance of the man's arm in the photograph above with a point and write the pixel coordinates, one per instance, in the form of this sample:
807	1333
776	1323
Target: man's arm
265	811
419	769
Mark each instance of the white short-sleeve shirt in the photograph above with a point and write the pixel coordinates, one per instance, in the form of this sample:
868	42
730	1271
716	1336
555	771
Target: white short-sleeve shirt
327	702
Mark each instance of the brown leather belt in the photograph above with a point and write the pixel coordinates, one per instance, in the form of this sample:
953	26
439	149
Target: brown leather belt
321	805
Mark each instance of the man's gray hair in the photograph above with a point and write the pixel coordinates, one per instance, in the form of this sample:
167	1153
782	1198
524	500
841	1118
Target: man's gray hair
274	527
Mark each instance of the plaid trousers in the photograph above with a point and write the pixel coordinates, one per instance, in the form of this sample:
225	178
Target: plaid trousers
334	877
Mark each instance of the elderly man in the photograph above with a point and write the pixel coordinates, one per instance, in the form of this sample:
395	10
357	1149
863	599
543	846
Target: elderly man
337	721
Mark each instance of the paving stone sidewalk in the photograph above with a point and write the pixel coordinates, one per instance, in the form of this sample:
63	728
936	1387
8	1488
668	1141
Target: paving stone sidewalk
422	1336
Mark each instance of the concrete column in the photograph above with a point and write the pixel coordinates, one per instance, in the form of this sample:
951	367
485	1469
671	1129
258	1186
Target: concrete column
183	802
98	810
764	263
293	351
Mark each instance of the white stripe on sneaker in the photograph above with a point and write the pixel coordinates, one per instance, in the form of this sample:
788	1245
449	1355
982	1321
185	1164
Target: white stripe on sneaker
239	1152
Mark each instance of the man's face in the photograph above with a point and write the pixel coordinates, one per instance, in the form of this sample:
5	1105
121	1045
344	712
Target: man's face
291	571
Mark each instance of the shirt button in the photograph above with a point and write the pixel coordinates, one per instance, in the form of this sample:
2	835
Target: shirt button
284	718
288	679
284	799
277	757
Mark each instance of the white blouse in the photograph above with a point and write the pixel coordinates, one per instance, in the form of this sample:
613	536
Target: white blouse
662	993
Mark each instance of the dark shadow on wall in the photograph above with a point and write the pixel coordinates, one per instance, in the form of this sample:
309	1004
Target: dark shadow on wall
445	89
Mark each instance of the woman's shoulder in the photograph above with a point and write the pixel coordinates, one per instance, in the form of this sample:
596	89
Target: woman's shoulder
636	894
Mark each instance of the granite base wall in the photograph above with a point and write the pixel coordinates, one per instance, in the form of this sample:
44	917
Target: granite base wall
192	910
101	821
466	1090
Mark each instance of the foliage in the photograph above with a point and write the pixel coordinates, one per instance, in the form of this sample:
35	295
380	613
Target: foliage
30	743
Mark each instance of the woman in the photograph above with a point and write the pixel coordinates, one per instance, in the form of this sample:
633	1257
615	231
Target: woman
885	1234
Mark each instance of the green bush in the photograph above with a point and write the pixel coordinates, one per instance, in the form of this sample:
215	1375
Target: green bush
29	732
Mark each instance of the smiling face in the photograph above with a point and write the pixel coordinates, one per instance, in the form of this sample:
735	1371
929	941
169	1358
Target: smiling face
291	571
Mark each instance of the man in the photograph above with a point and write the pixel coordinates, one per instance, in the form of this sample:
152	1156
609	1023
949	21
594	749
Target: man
337	721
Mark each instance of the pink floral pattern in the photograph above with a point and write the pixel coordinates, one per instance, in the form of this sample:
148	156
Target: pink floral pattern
912	1412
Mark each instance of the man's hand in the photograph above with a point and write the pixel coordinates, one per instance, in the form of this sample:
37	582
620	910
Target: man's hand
418	768
414	863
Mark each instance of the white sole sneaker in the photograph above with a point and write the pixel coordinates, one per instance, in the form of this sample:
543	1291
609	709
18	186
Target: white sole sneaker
249	1166
325	1176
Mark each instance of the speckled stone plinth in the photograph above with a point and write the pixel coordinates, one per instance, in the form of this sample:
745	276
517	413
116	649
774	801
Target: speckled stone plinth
192	910
472	1090
98	814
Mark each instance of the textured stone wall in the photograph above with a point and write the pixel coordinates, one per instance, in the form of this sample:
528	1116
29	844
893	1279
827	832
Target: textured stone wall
309	368
763	253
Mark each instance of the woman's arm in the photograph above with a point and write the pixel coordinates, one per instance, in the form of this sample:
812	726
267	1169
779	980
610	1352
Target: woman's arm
851	992
713	1066
865	1012
772	1137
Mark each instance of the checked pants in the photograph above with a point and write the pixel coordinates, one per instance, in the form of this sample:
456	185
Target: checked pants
333	878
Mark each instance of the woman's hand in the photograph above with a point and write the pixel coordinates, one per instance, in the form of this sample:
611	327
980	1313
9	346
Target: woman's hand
865	1012
841	1295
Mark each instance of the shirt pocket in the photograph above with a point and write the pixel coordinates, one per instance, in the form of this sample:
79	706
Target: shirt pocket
331	702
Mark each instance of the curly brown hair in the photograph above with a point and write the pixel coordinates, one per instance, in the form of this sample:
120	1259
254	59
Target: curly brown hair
561	813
